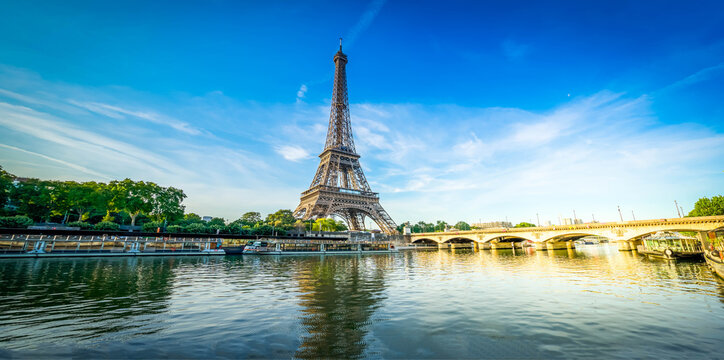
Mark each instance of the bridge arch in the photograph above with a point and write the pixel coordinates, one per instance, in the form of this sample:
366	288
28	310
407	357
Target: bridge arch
426	241
572	236
507	238
459	240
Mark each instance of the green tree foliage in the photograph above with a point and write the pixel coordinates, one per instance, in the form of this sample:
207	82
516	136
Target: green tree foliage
325	224
32	197
174	228
196	228
152	226
462	225
107	225
524	225
15	222
6	186
167	203
217	221
282	219
341	226
708	207
440	226
251	218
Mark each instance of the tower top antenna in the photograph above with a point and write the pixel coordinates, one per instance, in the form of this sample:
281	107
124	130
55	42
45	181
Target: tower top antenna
340	44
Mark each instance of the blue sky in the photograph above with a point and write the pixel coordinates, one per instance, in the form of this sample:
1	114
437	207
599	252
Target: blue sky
460	110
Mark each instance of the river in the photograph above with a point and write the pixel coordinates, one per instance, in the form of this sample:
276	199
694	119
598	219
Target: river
594	302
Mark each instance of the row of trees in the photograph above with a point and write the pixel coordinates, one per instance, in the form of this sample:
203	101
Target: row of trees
66	201
440	226
107	206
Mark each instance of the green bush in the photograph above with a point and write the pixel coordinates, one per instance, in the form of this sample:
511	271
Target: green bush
17	221
152	226
197	228
174	228
107	225
80	224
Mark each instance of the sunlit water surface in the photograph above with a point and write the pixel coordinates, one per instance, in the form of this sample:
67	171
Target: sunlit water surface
589	303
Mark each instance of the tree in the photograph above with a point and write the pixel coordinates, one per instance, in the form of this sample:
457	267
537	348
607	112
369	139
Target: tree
6	186
84	197
136	197
440	226
281	219
32	197
216	221
462	225
250	218
524	224
708	207
341	226
325	224
167	203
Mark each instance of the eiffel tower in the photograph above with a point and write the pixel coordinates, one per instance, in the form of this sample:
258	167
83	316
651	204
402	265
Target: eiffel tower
339	187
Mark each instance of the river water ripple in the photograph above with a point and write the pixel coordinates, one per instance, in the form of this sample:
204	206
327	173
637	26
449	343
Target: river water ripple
594	302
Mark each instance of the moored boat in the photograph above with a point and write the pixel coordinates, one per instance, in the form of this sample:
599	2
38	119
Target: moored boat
670	245
715	260
310	247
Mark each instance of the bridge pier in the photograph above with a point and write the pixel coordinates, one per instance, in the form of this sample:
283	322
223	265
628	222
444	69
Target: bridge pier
485	246
561	245
461	246
501	245
627	245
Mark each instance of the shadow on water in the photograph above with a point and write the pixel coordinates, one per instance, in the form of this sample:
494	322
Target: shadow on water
339	295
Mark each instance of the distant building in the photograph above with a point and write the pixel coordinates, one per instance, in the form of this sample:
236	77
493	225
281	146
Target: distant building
493	224
569	221
206	218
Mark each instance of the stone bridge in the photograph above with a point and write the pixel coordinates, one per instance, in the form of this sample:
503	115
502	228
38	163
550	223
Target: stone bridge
627	234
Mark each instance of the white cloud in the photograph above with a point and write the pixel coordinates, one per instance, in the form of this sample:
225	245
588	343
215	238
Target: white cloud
292	152
118	113
301	93
427	161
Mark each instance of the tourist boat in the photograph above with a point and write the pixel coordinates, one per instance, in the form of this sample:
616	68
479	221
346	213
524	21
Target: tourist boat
715	260
54	245
670	245
309	247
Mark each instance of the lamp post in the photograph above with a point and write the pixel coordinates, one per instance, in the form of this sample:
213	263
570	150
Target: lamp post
619	213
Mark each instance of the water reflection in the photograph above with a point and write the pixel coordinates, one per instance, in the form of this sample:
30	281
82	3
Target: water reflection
51	299
592	302
339	295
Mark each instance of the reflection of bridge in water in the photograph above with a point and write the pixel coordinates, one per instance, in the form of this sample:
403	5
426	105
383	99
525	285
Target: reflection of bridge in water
626	234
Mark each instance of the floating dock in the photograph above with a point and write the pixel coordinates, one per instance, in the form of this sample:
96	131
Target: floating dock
41	245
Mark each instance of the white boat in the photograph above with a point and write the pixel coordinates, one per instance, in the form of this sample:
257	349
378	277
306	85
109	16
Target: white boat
307	247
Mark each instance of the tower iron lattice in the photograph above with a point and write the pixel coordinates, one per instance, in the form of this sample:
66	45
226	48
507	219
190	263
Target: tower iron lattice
339	186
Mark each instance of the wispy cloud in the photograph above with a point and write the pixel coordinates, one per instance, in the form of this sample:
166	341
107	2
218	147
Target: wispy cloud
62	162
698	76
292	152
301	93
364	21
117	112
427	161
